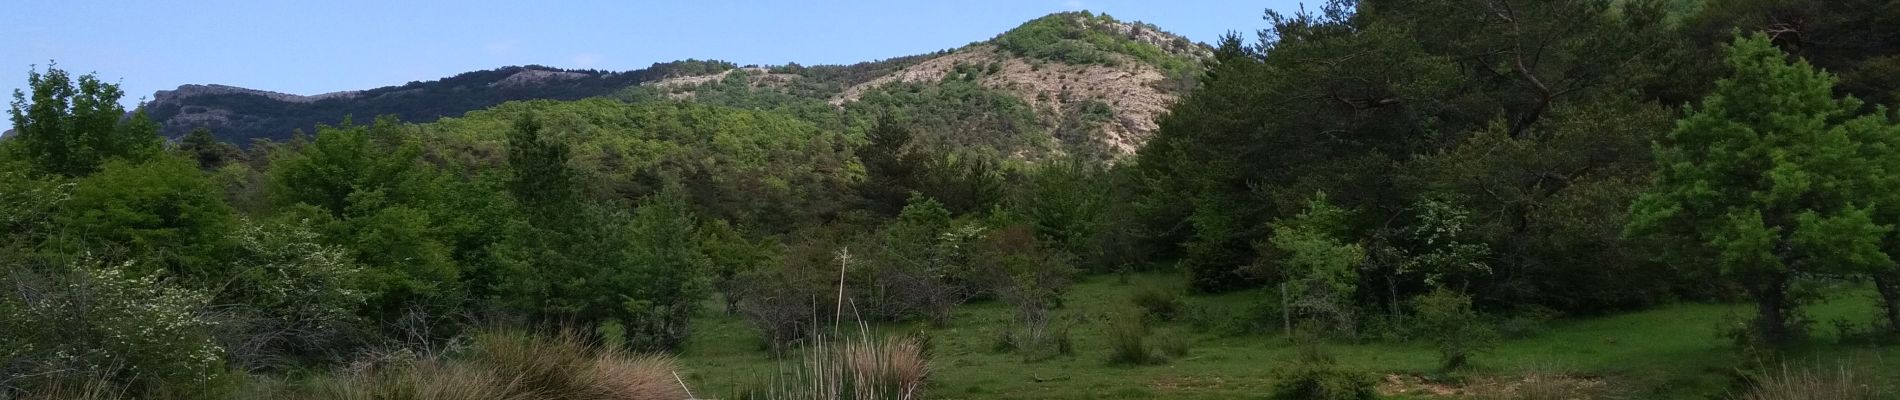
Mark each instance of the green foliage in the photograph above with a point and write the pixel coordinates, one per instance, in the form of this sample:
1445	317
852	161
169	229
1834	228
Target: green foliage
1321	270
668	278
1446	319
1068	203
958	116
733	257
102	321
71	129
1159	302
756	170
210	153
1082	38
29	210
1010	263
580	261
255	116
911	264
1767	181
1322	381
370	192
1447	255
301	296
163	212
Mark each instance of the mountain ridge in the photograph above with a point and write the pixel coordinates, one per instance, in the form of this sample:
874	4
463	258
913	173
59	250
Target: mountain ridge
1053	63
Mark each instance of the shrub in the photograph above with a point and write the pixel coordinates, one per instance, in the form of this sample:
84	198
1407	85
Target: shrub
300	296
1840	383
1447	320
1320	266
1159	302
1319	378
100	325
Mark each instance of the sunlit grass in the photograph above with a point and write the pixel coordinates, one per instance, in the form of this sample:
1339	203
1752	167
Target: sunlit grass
1672	352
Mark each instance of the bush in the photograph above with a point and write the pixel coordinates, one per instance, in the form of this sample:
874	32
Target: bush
299	297
1447	320
1159	302
100	325
1317	377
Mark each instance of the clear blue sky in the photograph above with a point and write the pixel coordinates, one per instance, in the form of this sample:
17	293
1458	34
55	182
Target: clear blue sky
310	47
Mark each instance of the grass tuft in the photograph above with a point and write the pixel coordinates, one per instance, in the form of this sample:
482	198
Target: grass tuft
1842	382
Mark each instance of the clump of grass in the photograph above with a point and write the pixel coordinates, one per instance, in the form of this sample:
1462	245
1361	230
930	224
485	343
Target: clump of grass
1173	344
1842	382
1128	339
618	375
1036	342
93	389
508	365
862	368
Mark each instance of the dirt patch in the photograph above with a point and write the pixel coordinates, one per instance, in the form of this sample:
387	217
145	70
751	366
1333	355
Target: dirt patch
1396	384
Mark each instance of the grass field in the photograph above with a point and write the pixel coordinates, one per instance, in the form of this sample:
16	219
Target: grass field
1673	352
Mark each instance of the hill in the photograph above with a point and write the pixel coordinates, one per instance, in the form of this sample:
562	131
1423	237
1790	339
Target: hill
1067	82
1064	83
239	115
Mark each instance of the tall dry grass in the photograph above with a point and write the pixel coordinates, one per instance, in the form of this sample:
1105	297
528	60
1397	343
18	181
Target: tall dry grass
1841	382
97	389
859	368
505	365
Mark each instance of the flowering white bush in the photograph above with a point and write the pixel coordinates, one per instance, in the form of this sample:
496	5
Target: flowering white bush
302	295
98	322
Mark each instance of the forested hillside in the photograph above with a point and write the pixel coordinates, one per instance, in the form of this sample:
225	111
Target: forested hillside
1374	199
239	115
1066	83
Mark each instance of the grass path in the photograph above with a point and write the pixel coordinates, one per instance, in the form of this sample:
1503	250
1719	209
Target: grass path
1666	353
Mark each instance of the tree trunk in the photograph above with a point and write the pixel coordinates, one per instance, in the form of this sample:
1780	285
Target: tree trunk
1771	306
1888	284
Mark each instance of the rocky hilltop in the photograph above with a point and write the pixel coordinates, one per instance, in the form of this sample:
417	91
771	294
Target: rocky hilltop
1129	71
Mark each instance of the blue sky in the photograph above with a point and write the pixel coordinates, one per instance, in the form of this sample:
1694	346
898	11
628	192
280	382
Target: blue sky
310	47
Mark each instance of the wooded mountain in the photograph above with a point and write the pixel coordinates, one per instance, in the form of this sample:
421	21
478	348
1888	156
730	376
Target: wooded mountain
1068	82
